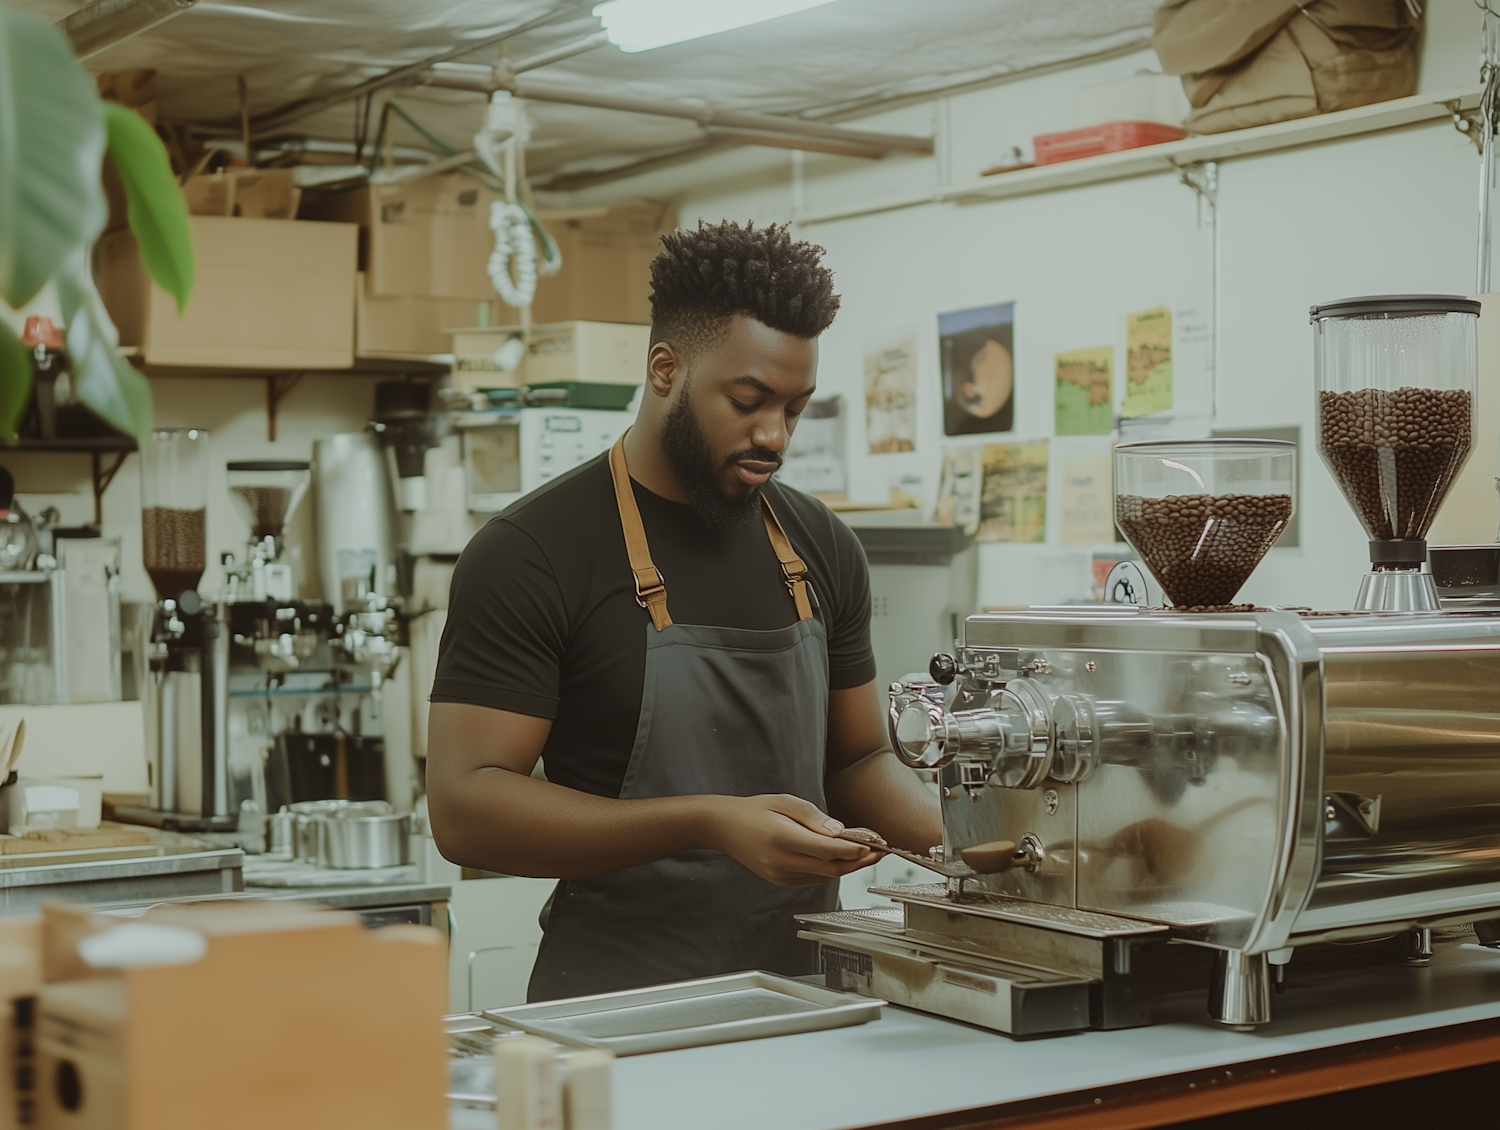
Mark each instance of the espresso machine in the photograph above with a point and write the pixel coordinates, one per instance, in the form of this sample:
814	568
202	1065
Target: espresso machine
304	674
1201	797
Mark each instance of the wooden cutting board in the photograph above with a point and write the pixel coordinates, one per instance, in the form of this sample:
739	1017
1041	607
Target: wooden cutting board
107	835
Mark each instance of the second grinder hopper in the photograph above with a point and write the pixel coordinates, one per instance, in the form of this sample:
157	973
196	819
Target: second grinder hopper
1202	513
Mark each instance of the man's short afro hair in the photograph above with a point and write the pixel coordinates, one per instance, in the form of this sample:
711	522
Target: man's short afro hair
701	279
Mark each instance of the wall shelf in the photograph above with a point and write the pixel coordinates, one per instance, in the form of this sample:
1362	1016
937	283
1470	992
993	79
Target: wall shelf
1173	156
106	456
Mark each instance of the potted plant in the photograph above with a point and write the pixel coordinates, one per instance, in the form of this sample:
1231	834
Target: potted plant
54	132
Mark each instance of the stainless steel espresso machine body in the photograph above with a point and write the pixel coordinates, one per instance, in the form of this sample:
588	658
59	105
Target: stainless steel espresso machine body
1250	783
1137	800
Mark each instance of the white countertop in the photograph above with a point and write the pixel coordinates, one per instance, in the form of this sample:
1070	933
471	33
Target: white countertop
909	1065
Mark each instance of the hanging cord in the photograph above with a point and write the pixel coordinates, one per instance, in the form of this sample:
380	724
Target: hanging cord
501	145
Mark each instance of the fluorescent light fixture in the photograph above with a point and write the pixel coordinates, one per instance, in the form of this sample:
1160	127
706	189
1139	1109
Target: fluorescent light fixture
640	25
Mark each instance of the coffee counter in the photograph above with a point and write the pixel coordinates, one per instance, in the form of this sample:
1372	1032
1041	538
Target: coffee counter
1360	1027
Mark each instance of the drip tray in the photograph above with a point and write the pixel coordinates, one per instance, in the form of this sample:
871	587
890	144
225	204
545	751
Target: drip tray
687	1014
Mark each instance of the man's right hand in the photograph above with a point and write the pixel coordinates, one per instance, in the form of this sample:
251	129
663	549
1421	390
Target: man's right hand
784	839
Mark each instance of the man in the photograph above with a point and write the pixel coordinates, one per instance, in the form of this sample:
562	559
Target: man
685	645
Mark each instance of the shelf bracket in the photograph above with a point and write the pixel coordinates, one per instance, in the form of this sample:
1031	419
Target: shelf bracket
277	386
104	474
1470	123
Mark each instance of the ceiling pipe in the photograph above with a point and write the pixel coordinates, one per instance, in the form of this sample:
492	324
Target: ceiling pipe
706	117
788	141
298	110
558	54
104	23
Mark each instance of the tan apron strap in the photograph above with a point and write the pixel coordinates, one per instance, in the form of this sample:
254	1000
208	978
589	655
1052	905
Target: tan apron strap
792	567
650	589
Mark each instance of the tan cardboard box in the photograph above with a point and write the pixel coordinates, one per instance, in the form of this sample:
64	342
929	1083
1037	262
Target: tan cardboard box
403	326
293	1017
606	271
427	239
257	194
595	352
270	294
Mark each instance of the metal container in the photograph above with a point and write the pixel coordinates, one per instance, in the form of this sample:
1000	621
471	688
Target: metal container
282	832
1252	782
349	841
305	835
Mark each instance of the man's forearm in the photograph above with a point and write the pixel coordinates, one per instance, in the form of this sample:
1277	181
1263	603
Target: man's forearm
879	792
496	820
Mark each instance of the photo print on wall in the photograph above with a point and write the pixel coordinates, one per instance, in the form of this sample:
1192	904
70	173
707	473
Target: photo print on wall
978	366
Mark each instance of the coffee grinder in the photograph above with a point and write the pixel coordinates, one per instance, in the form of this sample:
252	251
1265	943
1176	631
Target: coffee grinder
188	690
1395	381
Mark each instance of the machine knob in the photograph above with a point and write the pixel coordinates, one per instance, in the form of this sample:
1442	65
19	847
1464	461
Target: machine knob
190	603
943	668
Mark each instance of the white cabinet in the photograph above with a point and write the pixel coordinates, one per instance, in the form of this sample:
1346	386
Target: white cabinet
493	940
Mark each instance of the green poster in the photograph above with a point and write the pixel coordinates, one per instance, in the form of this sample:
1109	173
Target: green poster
1081	399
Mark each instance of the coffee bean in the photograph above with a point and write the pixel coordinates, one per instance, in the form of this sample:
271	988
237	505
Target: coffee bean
267	508
1395	453
174	548
1202	547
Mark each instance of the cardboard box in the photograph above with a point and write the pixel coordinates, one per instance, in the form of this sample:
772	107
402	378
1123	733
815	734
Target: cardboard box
427	239
96	739
270	294
606	271
593	352
409	327
258	194
135	89
292	1016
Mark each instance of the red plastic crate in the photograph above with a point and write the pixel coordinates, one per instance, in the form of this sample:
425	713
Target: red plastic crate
1111	137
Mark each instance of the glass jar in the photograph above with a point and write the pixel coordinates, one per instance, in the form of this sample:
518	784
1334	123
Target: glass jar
1395	415
1202	513
174	509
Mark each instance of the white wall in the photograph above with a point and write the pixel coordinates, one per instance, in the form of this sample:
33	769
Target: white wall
1392	212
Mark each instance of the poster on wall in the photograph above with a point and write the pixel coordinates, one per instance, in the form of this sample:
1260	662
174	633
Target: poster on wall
1013	498
1148	363
891	395
1085	506
1082	404
978	366
958	489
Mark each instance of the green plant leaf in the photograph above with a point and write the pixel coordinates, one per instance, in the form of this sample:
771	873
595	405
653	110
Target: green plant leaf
51	147
158	215
15	382
102	378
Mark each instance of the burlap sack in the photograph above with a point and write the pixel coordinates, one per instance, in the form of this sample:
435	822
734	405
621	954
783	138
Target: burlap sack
1252	62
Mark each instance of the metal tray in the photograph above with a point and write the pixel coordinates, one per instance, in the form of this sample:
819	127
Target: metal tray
690	1014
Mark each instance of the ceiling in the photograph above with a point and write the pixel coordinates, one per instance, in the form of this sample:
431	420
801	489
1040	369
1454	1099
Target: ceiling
824	62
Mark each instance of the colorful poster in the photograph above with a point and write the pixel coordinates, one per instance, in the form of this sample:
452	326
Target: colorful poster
1148	363
1085	506
978	366
891	396
1081	401
958	490
1013	499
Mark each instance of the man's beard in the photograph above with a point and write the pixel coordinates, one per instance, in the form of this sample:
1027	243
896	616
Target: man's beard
687	451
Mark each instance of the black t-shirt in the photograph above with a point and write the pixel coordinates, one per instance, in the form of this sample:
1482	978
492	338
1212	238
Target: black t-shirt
543	619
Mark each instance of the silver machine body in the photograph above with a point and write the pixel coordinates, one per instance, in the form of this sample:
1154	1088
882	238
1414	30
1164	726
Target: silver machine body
1175	788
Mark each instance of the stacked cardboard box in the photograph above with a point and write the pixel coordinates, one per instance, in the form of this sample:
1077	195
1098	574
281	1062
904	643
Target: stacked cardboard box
423	250
269	294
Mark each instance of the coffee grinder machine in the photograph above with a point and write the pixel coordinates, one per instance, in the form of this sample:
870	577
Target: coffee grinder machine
188	652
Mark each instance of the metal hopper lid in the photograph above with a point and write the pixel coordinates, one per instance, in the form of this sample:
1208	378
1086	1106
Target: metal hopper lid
1396	305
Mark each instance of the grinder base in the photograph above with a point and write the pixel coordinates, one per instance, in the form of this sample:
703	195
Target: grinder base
1397	590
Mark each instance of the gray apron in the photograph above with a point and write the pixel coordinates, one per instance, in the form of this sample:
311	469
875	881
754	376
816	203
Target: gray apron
727	711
